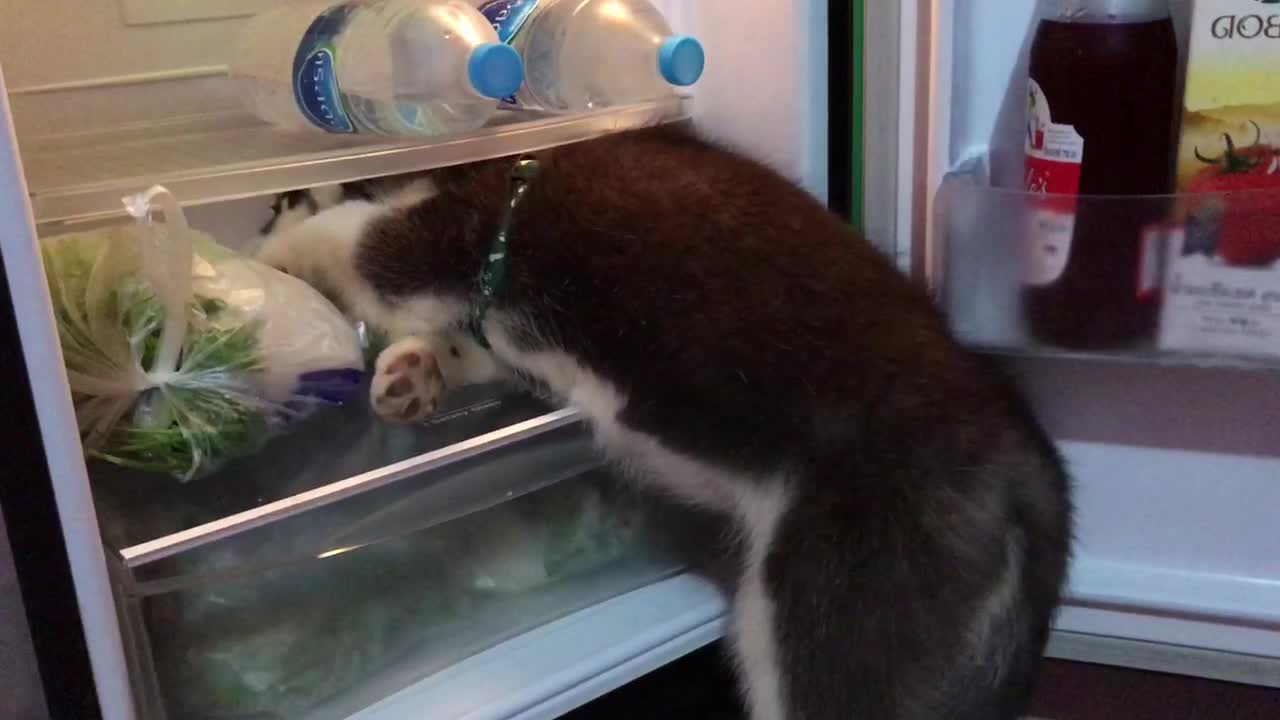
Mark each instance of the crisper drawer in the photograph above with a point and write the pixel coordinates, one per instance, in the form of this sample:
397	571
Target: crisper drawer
351	559
272	626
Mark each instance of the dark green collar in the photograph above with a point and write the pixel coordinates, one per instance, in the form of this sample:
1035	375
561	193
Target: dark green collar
493	279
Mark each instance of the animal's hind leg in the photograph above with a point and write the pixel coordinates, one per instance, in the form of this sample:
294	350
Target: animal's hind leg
884	617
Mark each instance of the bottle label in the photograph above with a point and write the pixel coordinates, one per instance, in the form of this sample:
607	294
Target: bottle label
1054	153
1151	260
508	18
314	70
1209	306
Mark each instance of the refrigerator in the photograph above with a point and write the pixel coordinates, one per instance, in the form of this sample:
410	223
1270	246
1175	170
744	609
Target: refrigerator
355	570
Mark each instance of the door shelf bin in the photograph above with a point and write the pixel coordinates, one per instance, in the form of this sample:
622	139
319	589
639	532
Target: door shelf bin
989	263
334	633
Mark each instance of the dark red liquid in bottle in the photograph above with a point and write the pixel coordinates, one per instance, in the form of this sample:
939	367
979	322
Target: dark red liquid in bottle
1113	82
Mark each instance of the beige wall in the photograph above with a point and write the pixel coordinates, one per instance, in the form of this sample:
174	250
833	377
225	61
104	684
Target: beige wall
53	41
47	43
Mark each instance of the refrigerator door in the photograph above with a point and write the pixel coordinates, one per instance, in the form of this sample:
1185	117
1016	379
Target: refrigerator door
1175	467
53	529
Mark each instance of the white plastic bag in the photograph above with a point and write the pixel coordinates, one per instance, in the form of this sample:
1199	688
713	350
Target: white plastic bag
182	354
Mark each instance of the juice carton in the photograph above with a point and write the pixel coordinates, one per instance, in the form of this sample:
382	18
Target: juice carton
1222	285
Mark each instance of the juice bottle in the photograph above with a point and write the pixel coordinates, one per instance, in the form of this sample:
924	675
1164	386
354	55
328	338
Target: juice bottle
1100	122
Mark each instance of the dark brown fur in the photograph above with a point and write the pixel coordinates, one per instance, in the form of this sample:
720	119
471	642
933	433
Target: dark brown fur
753	330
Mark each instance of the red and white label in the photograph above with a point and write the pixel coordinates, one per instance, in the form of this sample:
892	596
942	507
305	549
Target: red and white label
1054	153
1151	259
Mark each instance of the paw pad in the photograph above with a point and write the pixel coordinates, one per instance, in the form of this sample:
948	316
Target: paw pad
407	383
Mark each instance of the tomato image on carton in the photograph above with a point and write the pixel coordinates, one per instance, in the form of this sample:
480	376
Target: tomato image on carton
1222	287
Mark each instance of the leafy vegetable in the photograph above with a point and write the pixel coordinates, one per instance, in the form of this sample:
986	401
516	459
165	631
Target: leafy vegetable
171	374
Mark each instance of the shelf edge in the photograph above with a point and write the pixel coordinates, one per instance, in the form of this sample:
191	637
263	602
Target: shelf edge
175	543
625	673
567	663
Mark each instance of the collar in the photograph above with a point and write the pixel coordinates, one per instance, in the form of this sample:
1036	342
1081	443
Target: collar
493	279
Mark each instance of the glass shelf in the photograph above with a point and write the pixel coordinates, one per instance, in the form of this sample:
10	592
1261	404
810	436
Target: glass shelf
1157	280
341	478
225	156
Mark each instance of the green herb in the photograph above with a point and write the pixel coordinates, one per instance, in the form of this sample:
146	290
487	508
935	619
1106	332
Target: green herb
205	412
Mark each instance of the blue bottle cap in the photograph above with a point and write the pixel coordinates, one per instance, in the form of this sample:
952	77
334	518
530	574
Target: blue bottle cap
495	70
680	60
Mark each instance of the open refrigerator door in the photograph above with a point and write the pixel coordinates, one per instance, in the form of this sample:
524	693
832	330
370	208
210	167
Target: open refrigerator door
506	576
1174	453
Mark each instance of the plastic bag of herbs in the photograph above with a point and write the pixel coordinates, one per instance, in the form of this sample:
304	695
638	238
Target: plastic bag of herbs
182	354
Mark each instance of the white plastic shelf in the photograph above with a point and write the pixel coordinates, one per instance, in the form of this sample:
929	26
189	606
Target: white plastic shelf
566	664
227	156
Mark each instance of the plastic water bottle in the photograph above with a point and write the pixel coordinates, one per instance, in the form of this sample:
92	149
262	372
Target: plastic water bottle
388	67
588	54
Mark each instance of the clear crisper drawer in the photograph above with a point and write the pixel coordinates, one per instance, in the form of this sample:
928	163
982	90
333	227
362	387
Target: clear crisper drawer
327	636
1171	279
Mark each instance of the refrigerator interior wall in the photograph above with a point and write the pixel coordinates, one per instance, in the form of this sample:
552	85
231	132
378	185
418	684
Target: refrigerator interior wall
74	67
764	89
1177	469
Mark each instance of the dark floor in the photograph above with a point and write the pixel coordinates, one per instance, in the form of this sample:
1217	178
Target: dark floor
1076	691
700	687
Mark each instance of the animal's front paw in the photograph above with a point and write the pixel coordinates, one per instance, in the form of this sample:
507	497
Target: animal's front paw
407	384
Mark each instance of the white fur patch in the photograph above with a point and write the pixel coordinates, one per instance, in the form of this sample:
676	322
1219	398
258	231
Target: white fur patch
422	315
326	196
321	250
754	620
291	216
411	193
757	503
471	365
